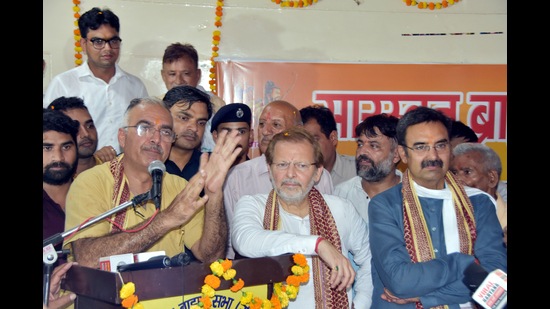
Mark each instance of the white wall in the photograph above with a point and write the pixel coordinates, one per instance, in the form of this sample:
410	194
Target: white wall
328	31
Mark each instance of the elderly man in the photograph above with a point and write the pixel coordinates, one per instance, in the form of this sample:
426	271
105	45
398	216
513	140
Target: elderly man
428	229
295	217
478	166
183	218
252	177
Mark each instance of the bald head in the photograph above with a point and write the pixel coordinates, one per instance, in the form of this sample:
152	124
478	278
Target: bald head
276	116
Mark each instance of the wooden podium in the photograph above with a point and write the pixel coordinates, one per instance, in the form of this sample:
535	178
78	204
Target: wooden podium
99	289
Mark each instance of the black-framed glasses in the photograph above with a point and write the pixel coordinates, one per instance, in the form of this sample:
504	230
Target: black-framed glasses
114	42
166	134
425	148
301	166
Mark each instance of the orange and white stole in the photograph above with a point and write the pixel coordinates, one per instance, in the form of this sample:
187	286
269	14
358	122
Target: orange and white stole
321	223
417	236
121	191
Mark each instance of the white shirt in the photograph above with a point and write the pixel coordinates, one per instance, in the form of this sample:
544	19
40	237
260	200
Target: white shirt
252	177
352	190
105	102
344	168
250	239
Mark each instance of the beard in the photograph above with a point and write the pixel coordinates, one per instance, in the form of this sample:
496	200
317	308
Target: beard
375	172
295	195
58	177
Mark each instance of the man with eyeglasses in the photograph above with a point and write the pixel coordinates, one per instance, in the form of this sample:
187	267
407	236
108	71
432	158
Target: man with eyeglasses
184	218
99	81
427	231
252	177
294	217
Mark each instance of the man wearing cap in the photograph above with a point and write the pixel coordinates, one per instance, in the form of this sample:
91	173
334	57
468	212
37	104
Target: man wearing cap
235	116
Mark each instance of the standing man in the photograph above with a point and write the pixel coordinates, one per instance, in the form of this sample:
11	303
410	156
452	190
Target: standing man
478	166
376	162
252	176
88	155
295	217
183	219
427	230
59	163
99	81
190	109
180	66
235	116
319	121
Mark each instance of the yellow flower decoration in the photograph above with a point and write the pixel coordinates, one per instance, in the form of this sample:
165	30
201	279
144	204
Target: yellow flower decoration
129	299
282	292
430	5
77	48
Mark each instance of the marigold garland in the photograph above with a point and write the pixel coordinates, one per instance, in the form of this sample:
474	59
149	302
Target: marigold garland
282	292
76	32
430	5
128	296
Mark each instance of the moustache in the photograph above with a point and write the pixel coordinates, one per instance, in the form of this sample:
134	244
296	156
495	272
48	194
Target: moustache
365	158
58	164
427	163
156	148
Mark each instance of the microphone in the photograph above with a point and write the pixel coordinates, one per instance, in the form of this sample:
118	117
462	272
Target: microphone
490	290
156	169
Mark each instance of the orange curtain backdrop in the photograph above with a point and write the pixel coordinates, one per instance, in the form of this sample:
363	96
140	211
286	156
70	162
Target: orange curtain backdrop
472	93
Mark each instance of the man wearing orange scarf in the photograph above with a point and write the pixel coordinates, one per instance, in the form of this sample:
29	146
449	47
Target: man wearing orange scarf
296	217
425	231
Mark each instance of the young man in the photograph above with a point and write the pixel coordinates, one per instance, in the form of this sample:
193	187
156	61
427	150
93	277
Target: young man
190	109
100	81
235	116
59	164
428	229
180	66
319	121
252	176
184	218
295	217
88	155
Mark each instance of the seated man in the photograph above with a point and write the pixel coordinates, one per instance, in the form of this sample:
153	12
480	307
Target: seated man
184	218
295	217
252	176
427	230
478	166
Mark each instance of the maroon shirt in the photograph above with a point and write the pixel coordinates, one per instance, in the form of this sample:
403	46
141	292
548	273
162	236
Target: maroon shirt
53	222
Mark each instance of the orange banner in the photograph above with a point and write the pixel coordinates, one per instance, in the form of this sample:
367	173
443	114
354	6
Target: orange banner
474	94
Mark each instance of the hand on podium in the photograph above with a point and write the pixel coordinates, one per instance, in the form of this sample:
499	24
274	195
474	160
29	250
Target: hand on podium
56	299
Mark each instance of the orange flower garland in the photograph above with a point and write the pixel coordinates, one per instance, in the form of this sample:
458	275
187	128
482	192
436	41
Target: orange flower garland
282	293
430	5
128	296
77	47
215	42
294	4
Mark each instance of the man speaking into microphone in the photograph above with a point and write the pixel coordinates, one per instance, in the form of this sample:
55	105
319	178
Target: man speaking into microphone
185	219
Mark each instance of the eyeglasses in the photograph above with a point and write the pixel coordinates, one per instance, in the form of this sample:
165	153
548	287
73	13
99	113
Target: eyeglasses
166	134
100	43
425	148
301	166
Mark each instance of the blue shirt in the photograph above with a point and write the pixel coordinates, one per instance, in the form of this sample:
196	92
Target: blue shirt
439	281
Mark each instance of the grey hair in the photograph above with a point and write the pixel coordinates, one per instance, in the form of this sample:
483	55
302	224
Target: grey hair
489	158
142	101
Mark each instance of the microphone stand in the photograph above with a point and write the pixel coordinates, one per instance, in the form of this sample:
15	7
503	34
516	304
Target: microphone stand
49	254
